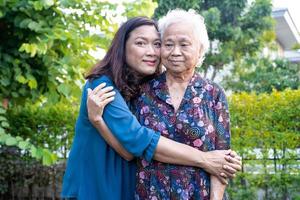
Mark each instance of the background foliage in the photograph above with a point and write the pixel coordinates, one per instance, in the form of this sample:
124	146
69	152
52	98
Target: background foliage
264	75
265	132
46	48
233	29
52	128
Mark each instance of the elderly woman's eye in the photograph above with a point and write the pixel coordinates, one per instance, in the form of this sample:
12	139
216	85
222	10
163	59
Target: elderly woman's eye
168	44
184	44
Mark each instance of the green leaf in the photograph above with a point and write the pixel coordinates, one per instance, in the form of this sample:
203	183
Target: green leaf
5	81
53	97
2	110
3	135
33	151
32	83
47	158
18	138
15	94
23	145
21	79
33	25
38	5
33	50
2	118
11	141
24	23
39	153
4	124
48	3
64	89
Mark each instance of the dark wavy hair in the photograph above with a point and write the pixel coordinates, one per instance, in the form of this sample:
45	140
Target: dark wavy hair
114	64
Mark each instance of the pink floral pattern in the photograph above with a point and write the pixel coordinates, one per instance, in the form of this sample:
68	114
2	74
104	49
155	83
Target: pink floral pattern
202	121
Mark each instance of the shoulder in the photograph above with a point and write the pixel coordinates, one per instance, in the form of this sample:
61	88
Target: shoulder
154	83
209	86
218	89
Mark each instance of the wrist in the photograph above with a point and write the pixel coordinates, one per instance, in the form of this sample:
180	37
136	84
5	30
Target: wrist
201	160
96	120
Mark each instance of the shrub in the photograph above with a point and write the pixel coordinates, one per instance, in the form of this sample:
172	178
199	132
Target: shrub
266	133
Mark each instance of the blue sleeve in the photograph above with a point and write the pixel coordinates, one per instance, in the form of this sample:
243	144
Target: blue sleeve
135	138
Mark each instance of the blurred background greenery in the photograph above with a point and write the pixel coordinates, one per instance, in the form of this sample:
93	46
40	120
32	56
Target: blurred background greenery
47	46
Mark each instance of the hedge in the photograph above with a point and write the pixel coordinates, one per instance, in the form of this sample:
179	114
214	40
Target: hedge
265	132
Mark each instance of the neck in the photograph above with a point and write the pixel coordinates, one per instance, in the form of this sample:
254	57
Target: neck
180	78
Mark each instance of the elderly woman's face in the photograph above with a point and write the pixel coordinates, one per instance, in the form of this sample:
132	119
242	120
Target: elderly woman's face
180	48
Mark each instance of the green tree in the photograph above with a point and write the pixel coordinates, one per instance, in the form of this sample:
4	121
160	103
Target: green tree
45	45
264	75
46	48
236	30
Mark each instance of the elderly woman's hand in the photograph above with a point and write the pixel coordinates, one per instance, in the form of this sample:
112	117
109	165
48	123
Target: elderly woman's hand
223	164
96	101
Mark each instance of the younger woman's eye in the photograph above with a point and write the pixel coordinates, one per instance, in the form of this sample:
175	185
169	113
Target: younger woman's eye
140	43
157	44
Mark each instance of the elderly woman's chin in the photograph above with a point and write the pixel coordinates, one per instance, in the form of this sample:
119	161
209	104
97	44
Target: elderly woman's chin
179	68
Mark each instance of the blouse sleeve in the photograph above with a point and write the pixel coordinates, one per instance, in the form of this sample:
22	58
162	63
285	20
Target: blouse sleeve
135	138
222	120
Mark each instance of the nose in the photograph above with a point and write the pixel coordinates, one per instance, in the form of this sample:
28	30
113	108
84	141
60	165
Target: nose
151	50
176	51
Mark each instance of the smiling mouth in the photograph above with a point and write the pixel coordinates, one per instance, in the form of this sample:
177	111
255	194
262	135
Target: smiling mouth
150	62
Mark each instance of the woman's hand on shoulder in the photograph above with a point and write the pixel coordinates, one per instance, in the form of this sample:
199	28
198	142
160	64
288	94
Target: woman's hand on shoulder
97	99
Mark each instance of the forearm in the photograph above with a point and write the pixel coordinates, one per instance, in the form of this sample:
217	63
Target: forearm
169	151
104	131
217	189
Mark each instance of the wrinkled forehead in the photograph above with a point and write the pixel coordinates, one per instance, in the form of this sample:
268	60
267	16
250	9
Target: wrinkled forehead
183	29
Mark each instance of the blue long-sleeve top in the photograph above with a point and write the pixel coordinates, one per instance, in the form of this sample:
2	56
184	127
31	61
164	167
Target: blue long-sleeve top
94	170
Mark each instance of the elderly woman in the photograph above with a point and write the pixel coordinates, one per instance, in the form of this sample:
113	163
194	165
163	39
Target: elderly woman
183	107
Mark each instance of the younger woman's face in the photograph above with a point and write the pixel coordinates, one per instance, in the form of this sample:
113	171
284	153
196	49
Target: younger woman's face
143	50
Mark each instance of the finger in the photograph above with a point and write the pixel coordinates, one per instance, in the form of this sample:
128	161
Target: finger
108	95
223	175
99	87
100	99
233	154
108	100
233	160
237	167
222	179
229	169
103	91
228	174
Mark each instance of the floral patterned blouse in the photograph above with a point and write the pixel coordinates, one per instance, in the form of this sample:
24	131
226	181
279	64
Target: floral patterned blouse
201	121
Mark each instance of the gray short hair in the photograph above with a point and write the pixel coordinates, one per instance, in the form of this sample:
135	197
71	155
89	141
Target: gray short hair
192	17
